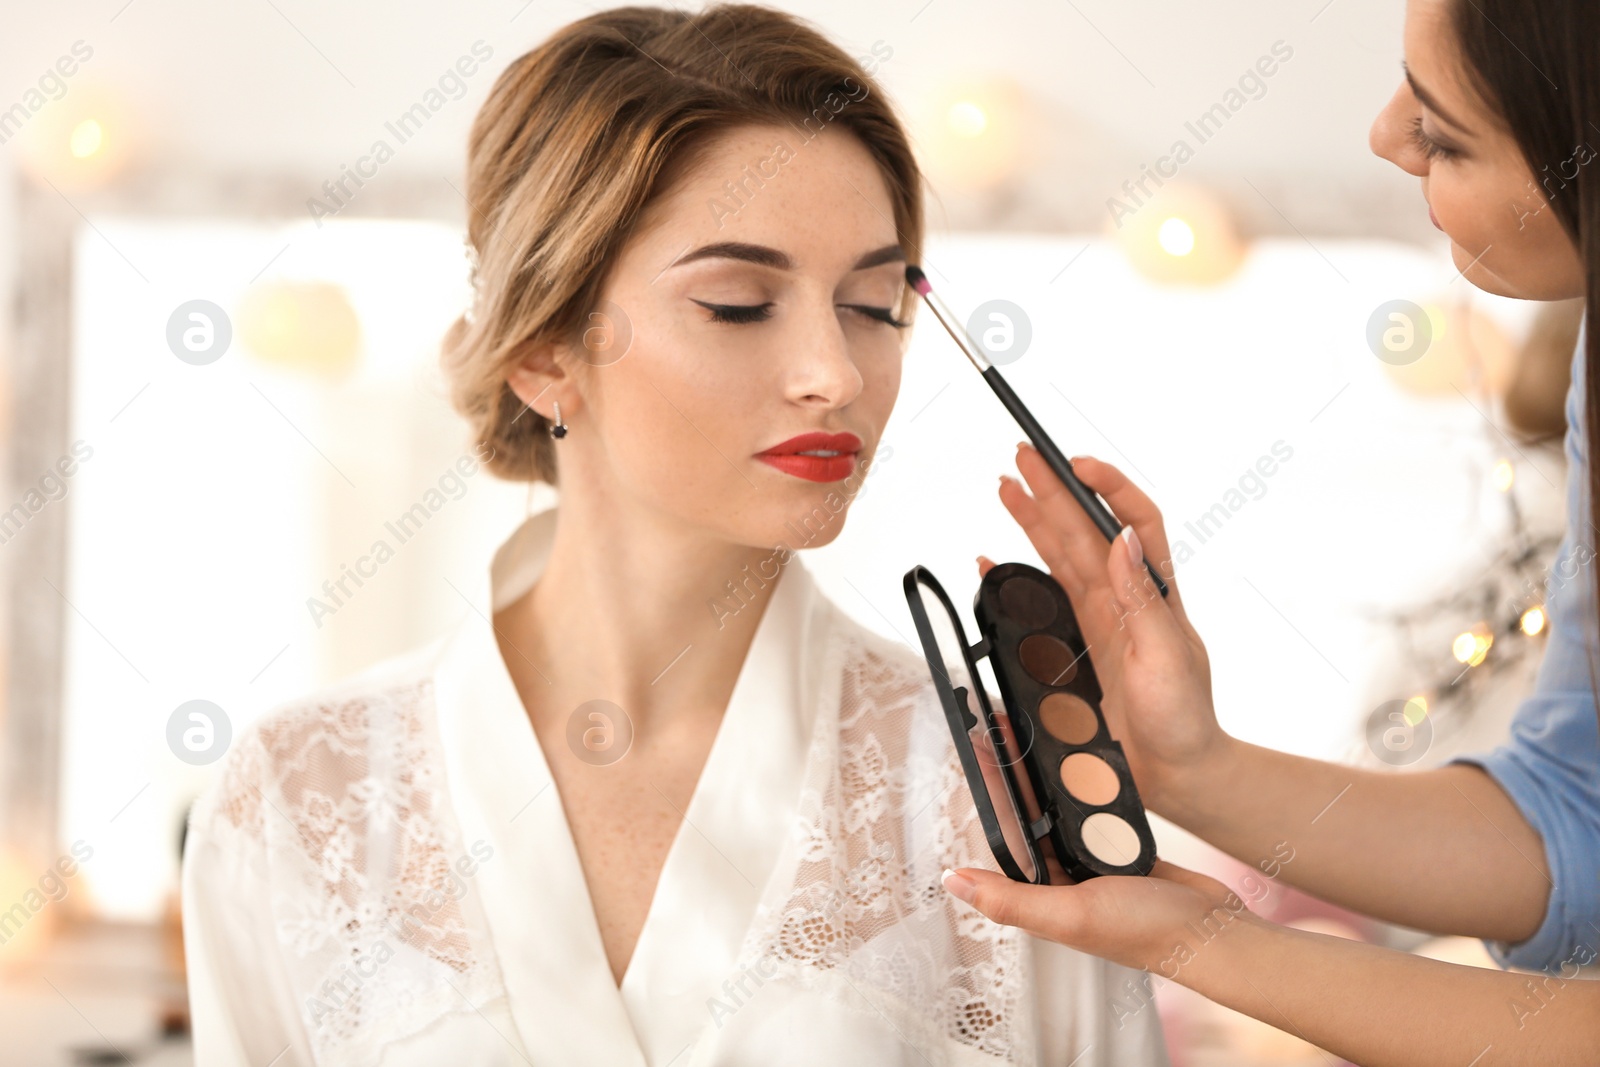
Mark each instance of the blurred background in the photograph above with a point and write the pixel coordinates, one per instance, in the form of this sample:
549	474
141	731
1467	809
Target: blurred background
1162	218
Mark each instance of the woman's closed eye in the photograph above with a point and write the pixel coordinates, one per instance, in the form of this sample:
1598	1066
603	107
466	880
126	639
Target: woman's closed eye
745	313
877	314
1429	147
737	313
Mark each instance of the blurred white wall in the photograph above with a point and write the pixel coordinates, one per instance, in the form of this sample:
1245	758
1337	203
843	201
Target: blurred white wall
1084	92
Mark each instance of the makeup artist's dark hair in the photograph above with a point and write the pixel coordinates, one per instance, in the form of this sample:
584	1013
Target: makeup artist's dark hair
580	135
1538	66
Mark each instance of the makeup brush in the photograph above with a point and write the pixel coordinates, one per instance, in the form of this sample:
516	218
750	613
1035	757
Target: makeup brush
1087	498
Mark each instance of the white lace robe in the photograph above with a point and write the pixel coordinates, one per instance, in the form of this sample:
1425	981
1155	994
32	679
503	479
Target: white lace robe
381	873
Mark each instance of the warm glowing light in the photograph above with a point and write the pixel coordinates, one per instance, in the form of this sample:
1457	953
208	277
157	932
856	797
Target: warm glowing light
27	933
967	118
1182	235
86	139
1471	647
1416	710
1504	475
1176	237
1533	621
305	325
976	134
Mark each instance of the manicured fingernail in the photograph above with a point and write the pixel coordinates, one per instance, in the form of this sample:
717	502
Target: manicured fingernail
1135	550
959	885
1076	458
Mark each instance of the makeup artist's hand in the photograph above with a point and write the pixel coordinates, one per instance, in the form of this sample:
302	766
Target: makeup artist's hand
1137	922
1151	664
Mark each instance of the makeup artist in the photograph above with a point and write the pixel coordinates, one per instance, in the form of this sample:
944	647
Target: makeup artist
1503	846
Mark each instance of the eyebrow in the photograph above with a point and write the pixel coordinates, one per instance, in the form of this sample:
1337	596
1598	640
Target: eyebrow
1428	100
776	258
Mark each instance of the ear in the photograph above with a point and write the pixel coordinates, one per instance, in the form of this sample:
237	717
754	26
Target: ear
539	378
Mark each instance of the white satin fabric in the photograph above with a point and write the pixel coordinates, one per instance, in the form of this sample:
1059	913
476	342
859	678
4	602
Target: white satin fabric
382	874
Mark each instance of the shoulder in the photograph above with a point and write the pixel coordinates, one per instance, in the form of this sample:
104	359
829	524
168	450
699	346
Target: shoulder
893	737
887	687
325	854
320	745
896	757
880	669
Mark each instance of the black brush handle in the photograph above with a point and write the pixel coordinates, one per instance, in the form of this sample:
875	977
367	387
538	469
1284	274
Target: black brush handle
1087	498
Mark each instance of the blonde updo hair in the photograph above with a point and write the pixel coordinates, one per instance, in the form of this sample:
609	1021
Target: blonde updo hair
579	135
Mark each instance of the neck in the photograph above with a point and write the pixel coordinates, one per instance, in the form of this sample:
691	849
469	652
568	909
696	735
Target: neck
636	609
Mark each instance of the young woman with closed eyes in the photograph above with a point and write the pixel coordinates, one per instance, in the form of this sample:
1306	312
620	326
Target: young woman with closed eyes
655	799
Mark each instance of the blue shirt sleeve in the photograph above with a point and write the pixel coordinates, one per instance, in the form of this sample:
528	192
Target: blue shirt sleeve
1550	765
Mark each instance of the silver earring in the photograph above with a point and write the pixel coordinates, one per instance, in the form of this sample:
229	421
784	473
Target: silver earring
560	428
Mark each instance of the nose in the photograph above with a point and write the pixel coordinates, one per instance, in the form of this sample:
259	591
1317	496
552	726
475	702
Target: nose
824	371
1389	138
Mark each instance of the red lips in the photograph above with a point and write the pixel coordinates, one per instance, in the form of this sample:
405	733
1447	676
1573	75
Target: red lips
787	456
817	441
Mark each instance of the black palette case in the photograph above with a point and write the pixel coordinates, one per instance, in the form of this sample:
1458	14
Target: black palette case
1051	727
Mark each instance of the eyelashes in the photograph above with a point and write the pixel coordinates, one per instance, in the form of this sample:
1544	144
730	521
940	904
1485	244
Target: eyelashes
1427	145
883	315
738	314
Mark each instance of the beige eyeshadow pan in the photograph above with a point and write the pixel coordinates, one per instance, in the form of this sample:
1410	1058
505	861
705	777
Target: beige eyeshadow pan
1090	778
1112	840
1068	718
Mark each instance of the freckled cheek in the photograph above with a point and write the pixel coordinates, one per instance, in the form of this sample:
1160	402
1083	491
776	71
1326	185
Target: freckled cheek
880	381
660	407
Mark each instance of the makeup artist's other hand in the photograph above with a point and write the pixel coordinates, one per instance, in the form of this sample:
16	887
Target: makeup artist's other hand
1137	922
1151	664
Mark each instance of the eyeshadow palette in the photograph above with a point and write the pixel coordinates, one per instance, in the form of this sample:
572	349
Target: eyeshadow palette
1047	779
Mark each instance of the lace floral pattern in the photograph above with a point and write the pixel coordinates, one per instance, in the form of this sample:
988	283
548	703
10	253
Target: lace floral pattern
336	807
884	809
340	799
